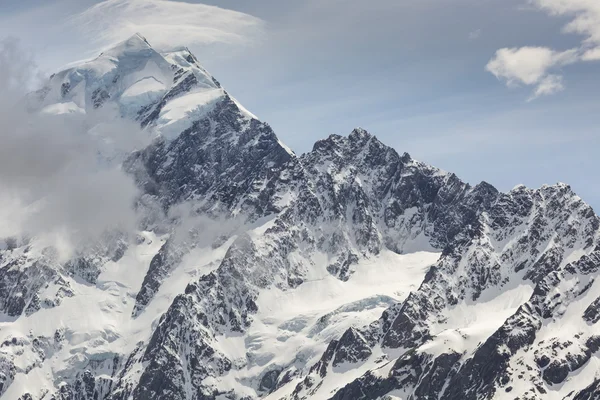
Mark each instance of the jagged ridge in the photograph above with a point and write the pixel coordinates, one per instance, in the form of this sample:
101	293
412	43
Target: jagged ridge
238	315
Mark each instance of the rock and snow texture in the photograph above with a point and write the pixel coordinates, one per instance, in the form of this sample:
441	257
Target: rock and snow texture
350	272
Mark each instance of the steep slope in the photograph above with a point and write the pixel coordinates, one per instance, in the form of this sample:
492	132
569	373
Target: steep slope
350	272
330	227
197	134
168	90
513	264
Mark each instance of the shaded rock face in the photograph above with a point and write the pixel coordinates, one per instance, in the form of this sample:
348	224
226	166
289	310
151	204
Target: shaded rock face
216	161
592	312
190	320
590	392
394	194
33	279
343	195
352	348
268	382
160	266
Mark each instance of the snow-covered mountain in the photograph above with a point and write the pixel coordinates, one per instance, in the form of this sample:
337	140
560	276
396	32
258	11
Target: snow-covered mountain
350	272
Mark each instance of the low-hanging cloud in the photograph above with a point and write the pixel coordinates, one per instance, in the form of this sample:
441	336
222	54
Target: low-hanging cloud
541	67
60	176
164	22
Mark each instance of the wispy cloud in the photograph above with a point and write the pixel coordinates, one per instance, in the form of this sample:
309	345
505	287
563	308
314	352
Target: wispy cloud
539	67
165	23
585	16
56	183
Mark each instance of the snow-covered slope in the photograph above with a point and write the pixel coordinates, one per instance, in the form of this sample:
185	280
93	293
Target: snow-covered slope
350	272
169	90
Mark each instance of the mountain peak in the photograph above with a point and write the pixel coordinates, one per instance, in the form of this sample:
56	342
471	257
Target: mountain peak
360	133
169	91
137	40
134	44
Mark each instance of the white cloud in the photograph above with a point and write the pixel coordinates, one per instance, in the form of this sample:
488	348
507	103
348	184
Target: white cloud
527	65
531	66
591	55
56	184
165	23
550	84
534	66
585	14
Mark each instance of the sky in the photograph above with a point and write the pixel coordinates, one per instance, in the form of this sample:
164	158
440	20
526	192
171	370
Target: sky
504	91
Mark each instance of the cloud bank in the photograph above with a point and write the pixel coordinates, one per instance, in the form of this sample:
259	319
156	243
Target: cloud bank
540	67
58	187
164	22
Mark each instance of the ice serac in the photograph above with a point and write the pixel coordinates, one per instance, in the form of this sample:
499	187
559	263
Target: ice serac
349	272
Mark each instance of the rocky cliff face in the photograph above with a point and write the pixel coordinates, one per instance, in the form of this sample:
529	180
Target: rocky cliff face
350	272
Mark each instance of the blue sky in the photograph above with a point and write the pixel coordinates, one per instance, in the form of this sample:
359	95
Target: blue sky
411	72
